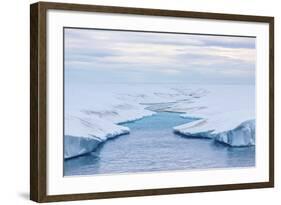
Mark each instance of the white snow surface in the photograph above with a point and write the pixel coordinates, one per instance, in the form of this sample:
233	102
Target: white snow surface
93	112
83	135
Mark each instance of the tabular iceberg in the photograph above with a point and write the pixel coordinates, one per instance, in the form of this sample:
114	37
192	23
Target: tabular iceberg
83	136
222	117
243	135
78	145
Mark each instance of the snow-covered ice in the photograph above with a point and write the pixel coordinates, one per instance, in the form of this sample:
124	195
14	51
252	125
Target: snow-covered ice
83	135
242	135
93	113
222	110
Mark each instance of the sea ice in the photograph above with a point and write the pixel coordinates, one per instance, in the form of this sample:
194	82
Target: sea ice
93	114
84	135
242	135
221	111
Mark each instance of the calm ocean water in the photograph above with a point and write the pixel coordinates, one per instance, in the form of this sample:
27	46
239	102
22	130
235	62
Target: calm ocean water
153	146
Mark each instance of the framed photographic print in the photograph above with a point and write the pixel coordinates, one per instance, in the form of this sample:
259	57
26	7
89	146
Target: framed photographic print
134	102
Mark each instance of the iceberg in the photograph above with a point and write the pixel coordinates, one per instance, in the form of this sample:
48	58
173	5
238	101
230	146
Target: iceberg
83	135
221	116
242	135
75	146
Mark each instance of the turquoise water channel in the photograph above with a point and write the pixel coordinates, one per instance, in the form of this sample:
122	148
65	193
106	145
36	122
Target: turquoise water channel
153	146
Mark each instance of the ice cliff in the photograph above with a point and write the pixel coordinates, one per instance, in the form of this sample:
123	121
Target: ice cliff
242	135
84	135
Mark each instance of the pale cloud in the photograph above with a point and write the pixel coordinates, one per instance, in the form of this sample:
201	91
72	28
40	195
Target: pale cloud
172	54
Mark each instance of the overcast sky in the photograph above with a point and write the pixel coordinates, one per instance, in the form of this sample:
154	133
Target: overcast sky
104	56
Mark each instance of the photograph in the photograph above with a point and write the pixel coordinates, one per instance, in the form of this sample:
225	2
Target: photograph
139	101
149	101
